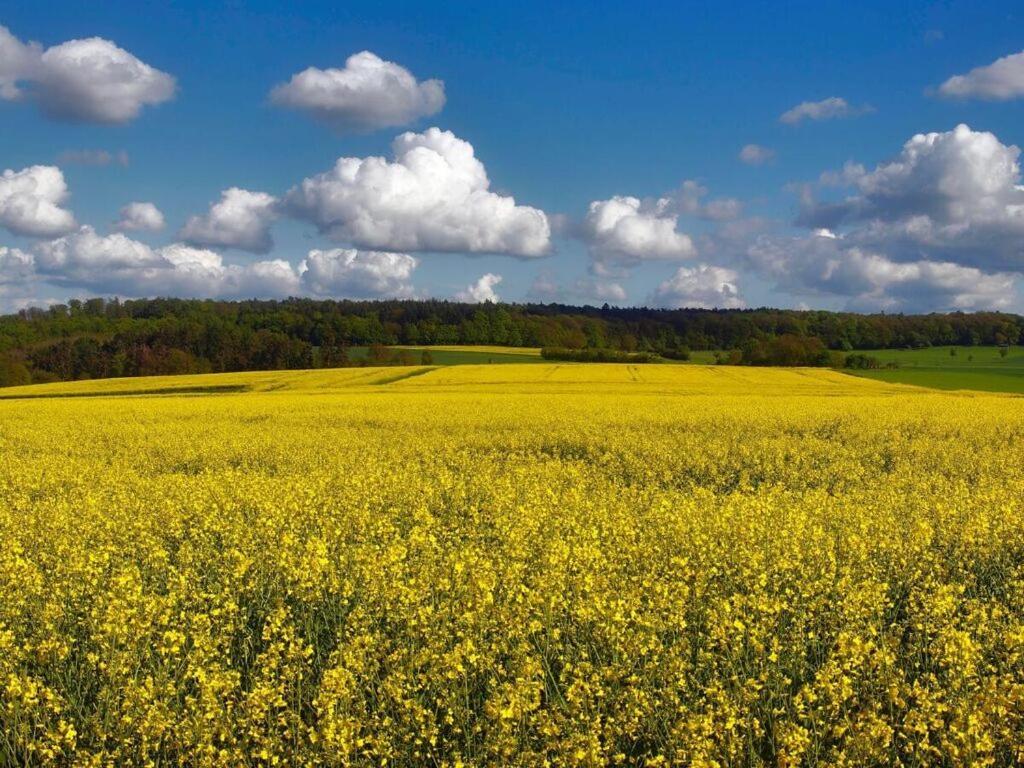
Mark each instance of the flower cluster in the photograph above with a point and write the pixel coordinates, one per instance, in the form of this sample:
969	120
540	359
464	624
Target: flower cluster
530	565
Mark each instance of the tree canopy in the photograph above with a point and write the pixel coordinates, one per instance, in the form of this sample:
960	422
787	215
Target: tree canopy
101	338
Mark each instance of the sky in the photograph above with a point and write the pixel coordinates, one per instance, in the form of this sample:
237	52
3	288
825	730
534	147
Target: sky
654	154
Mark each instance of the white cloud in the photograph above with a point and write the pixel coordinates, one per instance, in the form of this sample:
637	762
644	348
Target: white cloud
76	254
598	289
272	278
348	273
369	93
825	264
544	288
700	287
1001	80
94	80
17	61
89	80
182	270
434	196
480	291
16	266
99	157
826	109
629	229
926	285
89	260
850	174
141	217
30	202
589	289
116	264
955	195
688	199
755	154
241	219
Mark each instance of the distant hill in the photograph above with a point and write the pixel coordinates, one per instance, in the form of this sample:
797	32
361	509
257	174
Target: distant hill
100	338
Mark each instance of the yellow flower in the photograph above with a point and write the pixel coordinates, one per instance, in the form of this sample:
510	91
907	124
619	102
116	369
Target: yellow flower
526	565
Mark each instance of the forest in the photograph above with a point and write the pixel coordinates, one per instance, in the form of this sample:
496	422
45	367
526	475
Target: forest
100	338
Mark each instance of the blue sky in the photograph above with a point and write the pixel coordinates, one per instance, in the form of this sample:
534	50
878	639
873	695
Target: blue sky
616	129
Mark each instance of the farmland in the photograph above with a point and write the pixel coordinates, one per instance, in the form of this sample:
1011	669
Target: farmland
511	564
461	354
980	368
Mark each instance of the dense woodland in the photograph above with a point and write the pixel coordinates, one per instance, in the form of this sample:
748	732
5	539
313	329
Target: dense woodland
103	338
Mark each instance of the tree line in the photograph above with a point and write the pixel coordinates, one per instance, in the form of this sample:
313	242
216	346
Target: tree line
99	338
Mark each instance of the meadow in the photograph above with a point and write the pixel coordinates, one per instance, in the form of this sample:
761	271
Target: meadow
982	368
540	564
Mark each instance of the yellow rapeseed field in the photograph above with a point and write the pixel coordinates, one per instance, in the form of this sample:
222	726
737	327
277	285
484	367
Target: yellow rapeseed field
511	565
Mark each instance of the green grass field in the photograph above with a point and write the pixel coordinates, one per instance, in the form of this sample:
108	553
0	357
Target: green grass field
704	356
979	368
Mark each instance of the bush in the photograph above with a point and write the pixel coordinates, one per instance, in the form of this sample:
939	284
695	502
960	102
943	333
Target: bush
14	373
787	350
677	353
861	361
597	355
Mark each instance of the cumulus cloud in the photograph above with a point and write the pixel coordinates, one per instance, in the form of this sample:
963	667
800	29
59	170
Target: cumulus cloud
629	229
480	291
99	157
349	273
272	278
88	80
755	154
433	196
598	289
956	195
17	61
689	199
140	217
826	264
117	264
367	94
937	228
1001	80
17	270
240	219
31	199
827	109
546	289
188	271
701	287
84	255
16	266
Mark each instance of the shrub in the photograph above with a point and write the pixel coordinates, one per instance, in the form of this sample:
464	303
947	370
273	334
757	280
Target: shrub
594	355
861	361
675	353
